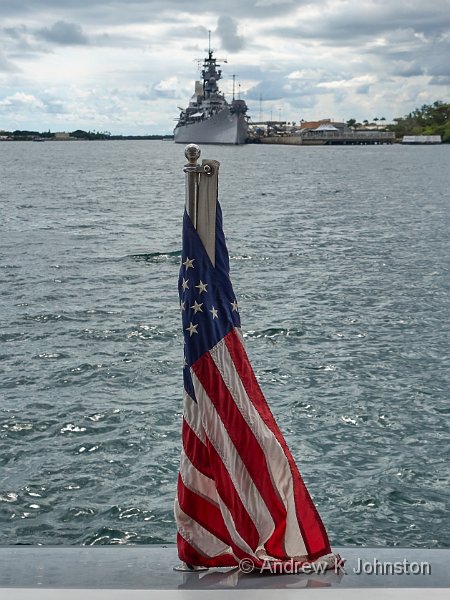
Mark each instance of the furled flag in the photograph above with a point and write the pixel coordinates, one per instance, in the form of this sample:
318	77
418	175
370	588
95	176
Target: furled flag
240	494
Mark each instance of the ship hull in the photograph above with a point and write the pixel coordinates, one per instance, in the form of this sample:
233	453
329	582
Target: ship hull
223	128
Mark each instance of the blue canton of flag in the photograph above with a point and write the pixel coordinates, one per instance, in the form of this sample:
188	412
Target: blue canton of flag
208	305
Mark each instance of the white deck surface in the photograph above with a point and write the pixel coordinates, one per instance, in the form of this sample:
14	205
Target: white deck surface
138	572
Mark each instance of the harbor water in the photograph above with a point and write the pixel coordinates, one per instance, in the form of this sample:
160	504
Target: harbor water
340	262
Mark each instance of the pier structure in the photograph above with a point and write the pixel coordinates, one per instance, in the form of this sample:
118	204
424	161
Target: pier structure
325	134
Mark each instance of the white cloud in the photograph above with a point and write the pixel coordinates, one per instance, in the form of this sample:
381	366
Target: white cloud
19	99
168	88
363	80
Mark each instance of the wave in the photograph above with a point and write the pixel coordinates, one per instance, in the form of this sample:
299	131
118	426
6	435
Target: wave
156	257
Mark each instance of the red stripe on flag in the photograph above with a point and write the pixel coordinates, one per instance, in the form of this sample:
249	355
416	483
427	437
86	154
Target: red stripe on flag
227	491
311	526
207	515
192	556
206	460
203	512
196	451
246	445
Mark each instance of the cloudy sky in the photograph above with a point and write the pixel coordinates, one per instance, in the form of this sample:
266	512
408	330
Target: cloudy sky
125	66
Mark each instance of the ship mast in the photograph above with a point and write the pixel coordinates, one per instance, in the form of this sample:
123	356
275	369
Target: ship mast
210	73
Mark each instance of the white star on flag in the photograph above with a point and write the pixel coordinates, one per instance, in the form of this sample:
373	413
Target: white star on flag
214	313
184	285
197	307
201	287
192	329
188	263
234	306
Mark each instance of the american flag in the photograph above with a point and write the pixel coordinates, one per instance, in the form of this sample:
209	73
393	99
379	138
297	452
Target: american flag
240	494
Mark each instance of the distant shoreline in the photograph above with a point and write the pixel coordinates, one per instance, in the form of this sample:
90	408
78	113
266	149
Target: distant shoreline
70	138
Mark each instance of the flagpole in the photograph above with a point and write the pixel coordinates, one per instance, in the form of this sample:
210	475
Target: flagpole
201	196
201	199
192	153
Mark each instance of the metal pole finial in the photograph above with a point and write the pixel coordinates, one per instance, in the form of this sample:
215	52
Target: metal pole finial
192	153
201	196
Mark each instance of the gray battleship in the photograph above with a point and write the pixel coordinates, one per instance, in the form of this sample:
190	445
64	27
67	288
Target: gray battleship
209	118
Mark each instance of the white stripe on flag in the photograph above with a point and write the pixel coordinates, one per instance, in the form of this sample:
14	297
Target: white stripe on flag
205	487
277	462
240	335
197	482
199	537
193	417
231	528
239	475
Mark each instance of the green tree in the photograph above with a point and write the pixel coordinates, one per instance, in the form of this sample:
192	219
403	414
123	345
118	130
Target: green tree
429	119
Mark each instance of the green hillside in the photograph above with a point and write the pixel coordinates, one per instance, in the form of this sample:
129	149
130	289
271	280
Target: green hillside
430	119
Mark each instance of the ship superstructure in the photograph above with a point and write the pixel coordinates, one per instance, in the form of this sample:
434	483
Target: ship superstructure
209	117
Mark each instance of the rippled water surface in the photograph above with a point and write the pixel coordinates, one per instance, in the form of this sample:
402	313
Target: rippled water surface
340	260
